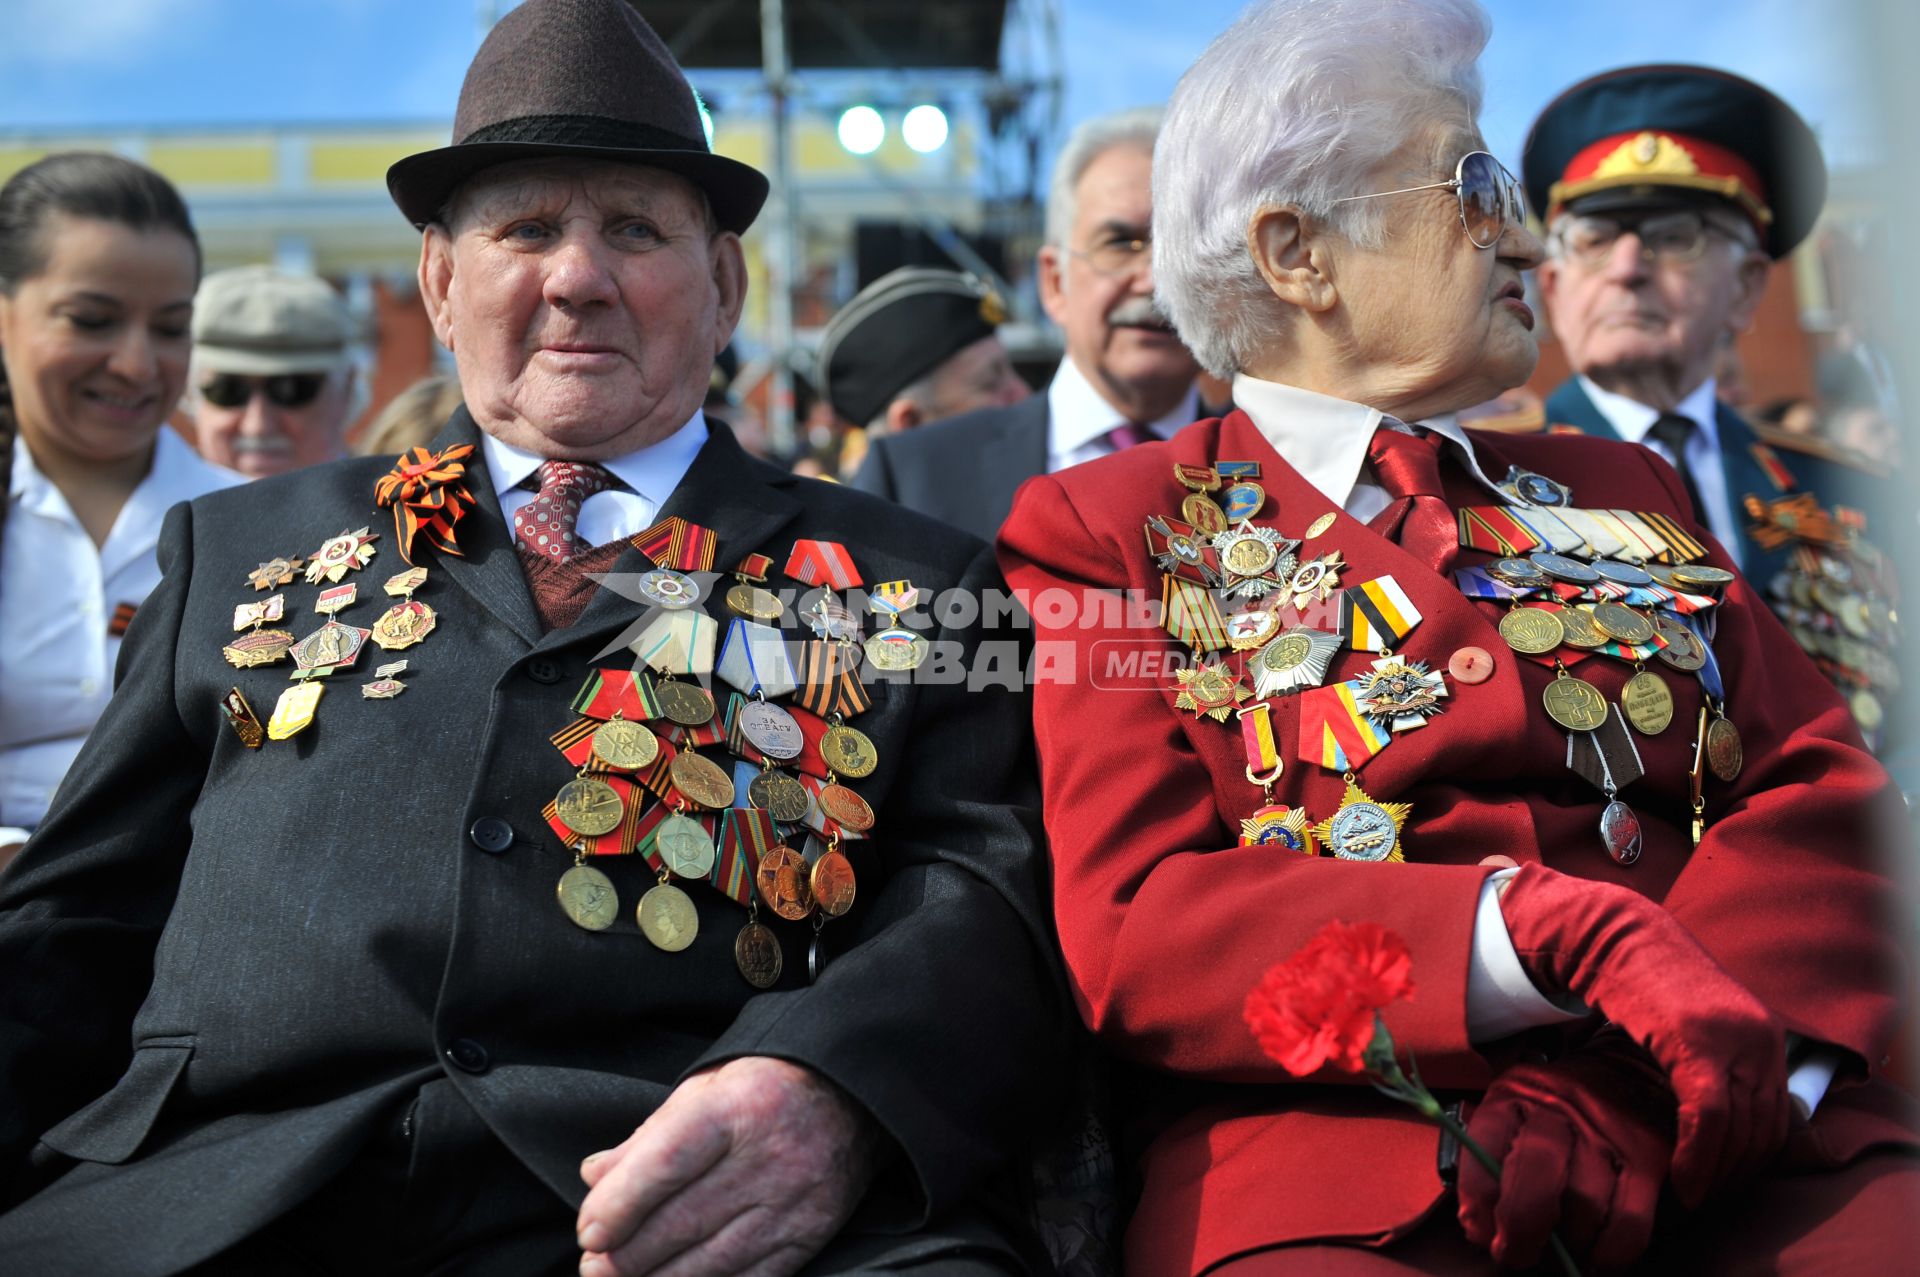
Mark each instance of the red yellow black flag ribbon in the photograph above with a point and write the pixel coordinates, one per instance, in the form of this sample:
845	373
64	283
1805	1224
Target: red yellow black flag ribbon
429	497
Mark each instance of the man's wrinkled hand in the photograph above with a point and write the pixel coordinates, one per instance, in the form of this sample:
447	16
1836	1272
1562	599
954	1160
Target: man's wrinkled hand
750	1167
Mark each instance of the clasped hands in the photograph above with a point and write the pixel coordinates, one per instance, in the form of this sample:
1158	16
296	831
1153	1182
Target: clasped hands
1587	1141
748	1167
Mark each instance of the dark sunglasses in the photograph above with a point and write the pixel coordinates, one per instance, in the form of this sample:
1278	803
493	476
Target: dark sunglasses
1490	197
287	390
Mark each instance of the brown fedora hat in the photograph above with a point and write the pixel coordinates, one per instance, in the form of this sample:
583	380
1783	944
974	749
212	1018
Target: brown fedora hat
576	77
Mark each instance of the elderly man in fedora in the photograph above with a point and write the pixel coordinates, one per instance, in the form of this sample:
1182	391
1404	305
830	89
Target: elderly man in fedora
421	905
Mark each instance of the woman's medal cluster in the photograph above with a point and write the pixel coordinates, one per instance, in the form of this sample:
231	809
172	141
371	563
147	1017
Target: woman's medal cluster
1613	584
760	816
1265	615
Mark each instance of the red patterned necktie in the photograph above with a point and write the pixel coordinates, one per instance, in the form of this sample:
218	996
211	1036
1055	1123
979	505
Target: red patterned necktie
543	528
1408	467
1127	435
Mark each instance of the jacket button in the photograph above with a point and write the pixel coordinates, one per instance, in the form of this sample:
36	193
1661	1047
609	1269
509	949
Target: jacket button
543	671
467	1055
491	834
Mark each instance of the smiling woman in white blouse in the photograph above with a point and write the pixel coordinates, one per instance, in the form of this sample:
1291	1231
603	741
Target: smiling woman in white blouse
98	266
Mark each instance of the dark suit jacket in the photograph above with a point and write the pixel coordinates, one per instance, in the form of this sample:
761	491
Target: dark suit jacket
963	470
221	969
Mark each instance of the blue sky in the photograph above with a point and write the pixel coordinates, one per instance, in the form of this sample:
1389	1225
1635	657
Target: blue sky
107	63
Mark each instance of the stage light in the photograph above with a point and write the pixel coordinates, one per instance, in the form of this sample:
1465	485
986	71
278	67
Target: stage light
862	130
925	129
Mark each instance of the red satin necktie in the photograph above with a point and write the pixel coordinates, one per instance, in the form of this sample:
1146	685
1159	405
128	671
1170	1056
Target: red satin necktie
1408	467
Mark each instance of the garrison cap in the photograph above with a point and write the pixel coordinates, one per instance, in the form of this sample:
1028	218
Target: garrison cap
898	329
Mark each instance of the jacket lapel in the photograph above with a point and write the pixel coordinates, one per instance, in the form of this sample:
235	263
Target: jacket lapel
1570	406
489	568
742	501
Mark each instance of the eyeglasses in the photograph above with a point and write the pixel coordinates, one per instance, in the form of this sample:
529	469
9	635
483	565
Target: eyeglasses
286	390
1490	197
1121	255
1666	238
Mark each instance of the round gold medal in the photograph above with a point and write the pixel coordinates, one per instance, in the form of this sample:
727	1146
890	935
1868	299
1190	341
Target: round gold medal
1867	710
756	951
1531	630
1319	526
625	745
1648	703
1621	623
780	796
832	884
701	779
1578	629
667	918
753	603
782	882
588	806
588	899
684	703
1288	652
1725	755
849	752
1701	576
1575	704
685	846
1203	513
1248	556
846	808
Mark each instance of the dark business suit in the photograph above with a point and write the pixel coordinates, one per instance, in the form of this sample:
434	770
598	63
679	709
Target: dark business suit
272	949
964	470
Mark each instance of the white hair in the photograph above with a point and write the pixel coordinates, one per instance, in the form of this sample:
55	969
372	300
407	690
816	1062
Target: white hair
1087	143
1296	104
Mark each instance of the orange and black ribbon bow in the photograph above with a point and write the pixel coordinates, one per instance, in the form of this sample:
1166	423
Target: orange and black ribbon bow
428	497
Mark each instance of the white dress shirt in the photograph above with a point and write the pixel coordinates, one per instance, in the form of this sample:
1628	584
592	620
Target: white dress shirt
1326	440
57	594
1634	419
1079	418
651	475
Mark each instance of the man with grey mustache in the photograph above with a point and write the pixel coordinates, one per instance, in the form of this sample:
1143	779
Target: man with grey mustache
1125	379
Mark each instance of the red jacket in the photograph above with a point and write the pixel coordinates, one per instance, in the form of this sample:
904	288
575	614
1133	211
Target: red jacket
1166	922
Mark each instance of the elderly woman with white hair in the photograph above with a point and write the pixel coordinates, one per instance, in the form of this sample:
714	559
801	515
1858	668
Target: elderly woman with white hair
1499	695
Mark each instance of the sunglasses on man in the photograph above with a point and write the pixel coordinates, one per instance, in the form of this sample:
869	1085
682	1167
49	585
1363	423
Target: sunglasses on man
284	390
1490	197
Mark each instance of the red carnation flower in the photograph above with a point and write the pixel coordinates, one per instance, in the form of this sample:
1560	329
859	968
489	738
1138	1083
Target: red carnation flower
1318	1007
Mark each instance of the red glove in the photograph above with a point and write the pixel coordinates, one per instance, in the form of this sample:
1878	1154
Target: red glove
1623	955
1583	1145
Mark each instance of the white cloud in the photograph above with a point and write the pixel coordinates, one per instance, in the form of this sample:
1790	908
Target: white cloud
101	33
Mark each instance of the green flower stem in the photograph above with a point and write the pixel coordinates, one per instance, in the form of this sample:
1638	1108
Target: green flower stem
1388	1078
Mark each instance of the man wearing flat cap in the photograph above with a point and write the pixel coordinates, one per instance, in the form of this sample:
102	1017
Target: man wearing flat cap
551	851
1668	193
273	374
917	345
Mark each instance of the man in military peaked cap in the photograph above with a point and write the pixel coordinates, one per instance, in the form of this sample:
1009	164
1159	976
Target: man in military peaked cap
918	345
487	866
1668	193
